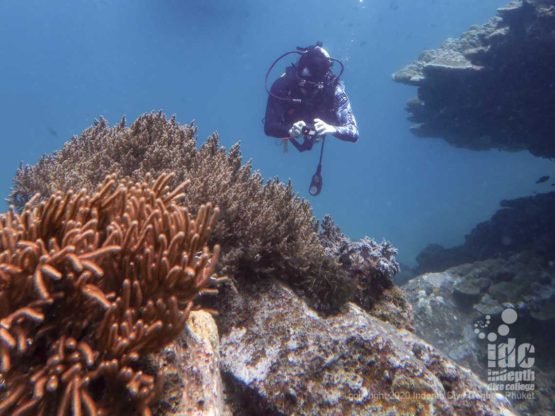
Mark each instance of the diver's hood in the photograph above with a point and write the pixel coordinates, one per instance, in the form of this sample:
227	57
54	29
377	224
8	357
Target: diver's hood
314	67
314	64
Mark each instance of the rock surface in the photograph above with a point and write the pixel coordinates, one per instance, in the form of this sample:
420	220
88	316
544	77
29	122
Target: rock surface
447	305
190	370
285	359
494	87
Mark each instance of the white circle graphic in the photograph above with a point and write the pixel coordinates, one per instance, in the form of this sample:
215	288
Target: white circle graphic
503	330
509	316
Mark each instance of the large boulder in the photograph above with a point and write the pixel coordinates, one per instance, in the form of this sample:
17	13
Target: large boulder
190	370
284	358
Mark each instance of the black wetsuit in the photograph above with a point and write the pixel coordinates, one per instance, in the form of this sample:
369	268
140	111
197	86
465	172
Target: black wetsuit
330	105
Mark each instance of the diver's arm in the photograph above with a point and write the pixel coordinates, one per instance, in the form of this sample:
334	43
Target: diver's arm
274	122
346	128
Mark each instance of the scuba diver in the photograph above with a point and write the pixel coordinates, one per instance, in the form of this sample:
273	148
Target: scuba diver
308	102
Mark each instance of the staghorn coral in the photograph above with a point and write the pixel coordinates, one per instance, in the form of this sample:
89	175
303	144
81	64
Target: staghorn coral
266	229
91	283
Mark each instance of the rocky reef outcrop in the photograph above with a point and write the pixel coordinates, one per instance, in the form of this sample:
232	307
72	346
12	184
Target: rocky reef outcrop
450	305
505	262
286	359
278	356
492	88
523	224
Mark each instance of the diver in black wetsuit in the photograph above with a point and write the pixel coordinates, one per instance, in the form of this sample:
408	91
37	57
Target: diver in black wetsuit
309	101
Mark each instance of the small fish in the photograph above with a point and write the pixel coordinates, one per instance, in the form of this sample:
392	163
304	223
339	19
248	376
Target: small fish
542	179
52	131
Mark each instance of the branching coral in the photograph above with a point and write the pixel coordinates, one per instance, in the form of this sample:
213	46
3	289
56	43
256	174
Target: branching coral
266	229
89	283
364	259
371	267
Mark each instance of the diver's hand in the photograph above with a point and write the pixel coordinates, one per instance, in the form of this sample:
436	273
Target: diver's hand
323	128
296	129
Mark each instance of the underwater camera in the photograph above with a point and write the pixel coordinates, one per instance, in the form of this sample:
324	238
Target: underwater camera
309	132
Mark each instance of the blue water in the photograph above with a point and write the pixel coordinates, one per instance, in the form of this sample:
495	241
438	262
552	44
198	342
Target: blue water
64	63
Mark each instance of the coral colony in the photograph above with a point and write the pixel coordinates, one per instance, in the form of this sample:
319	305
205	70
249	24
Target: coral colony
266	229
89	283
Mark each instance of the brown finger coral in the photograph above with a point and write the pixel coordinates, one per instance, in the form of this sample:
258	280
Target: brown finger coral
88	284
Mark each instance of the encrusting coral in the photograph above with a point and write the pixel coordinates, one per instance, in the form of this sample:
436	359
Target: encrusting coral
265	231
89	283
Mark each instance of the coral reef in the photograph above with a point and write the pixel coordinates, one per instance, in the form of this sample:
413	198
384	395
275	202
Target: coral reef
522	224
370	267
265	228
492	87
89	283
